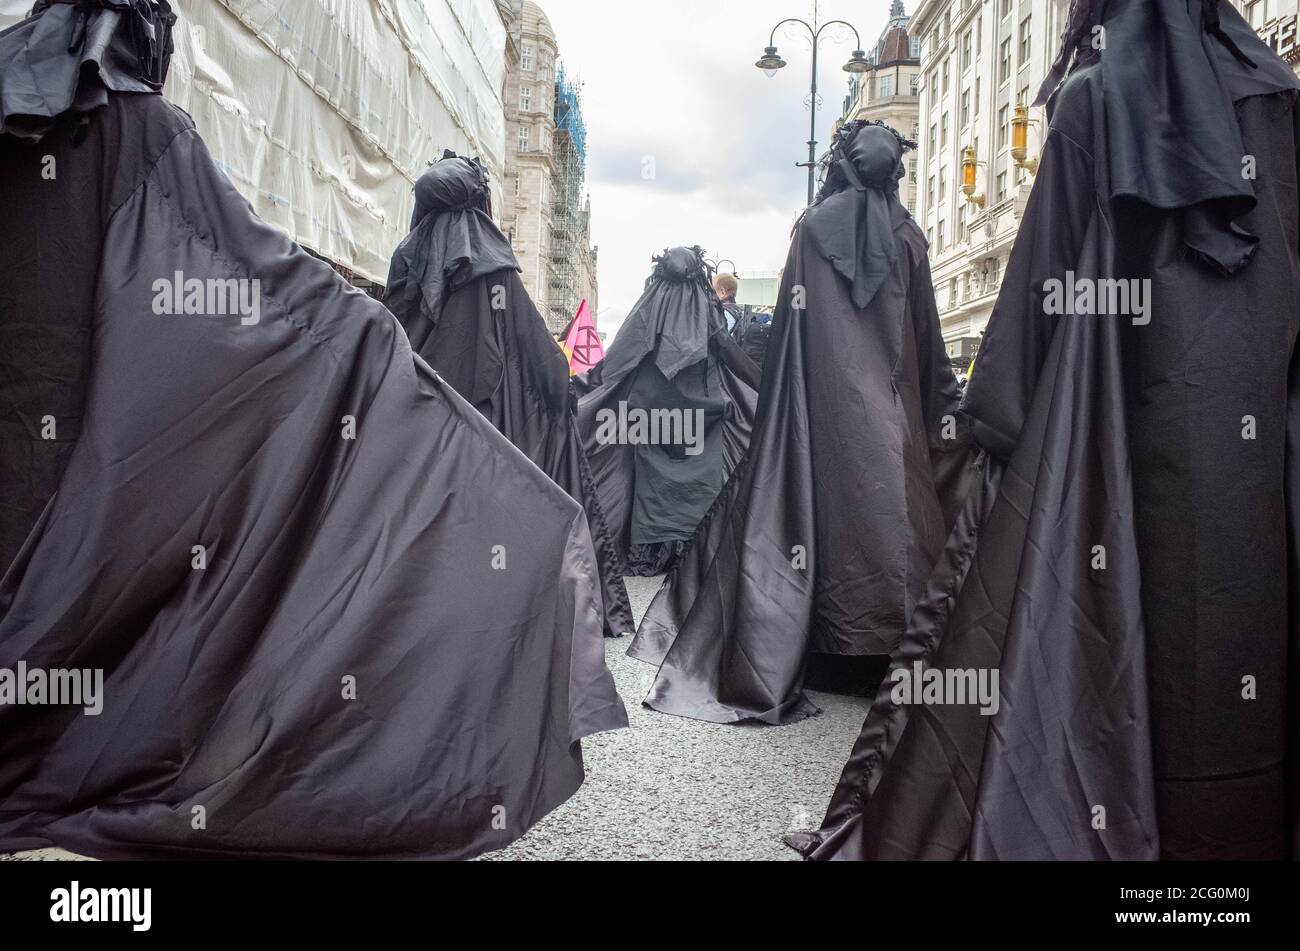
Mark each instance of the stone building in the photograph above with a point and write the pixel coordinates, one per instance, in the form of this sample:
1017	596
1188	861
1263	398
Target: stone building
1278	23
546	214
889	91
981	59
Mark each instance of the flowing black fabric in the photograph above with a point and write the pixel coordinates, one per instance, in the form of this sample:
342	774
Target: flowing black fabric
1125	564
673	353
486	339
388	643
824	537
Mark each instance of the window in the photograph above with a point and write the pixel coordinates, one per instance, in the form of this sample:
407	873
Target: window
1023	96
886	86
929	194
929	236
525	98
943	184
1002	186
1003	128
1004	61
526	58
943	132
914	47
1006	7
934	87
916	83
911	207
965	108
941	235
945	77
911	171
966	51
977	95
523	138
1026	37
932	145
979	35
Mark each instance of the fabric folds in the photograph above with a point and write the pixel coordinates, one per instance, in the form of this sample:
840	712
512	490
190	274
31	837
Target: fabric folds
336	614
1123	567
825	535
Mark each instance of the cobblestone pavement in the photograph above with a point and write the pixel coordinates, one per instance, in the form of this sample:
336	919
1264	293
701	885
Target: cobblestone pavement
673	789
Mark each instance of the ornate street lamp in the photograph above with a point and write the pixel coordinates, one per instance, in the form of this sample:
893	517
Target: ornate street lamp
771	62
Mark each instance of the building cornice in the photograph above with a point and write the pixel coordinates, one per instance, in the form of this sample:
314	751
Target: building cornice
922	16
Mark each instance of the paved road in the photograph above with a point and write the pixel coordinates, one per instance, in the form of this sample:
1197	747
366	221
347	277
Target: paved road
673	789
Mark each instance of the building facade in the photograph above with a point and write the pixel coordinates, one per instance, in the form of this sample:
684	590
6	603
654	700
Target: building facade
546	214
890	90
1278	24
980	60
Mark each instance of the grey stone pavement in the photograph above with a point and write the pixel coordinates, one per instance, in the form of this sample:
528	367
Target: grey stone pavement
673	789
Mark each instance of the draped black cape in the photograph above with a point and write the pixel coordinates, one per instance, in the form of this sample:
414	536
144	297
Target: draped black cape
1128	561
673	352
453	284
825	536
337	613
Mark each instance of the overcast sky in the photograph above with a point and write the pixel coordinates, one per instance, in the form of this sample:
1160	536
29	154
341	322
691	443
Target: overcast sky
674	82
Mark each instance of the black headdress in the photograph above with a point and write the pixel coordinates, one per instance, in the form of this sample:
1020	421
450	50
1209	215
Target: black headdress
453	239
852	223
674	319
67	56
1171	72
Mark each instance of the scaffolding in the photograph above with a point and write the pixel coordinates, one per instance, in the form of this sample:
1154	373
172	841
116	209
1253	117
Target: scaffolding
569	224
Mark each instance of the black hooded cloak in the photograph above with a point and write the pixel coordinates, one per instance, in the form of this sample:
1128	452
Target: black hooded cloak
824	538
336	613
1128	564
455	287
673	353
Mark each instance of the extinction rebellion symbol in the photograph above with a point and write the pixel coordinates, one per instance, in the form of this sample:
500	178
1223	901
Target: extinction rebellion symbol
587	349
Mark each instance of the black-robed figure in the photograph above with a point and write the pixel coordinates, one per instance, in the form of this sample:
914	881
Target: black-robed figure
1128	566
276	535
667	414
822	542
454	285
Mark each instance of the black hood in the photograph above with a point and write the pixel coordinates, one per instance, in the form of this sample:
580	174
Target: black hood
674	318
1171	73
453	239
852	223
66	57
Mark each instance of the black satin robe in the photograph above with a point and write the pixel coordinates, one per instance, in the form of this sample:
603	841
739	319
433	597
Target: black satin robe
1128	562
673	352
505	362
824	537
392	646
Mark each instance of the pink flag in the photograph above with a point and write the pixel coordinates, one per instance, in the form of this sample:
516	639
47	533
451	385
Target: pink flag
582	343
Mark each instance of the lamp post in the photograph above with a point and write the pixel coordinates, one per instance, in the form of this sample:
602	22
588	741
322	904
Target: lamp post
770	62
